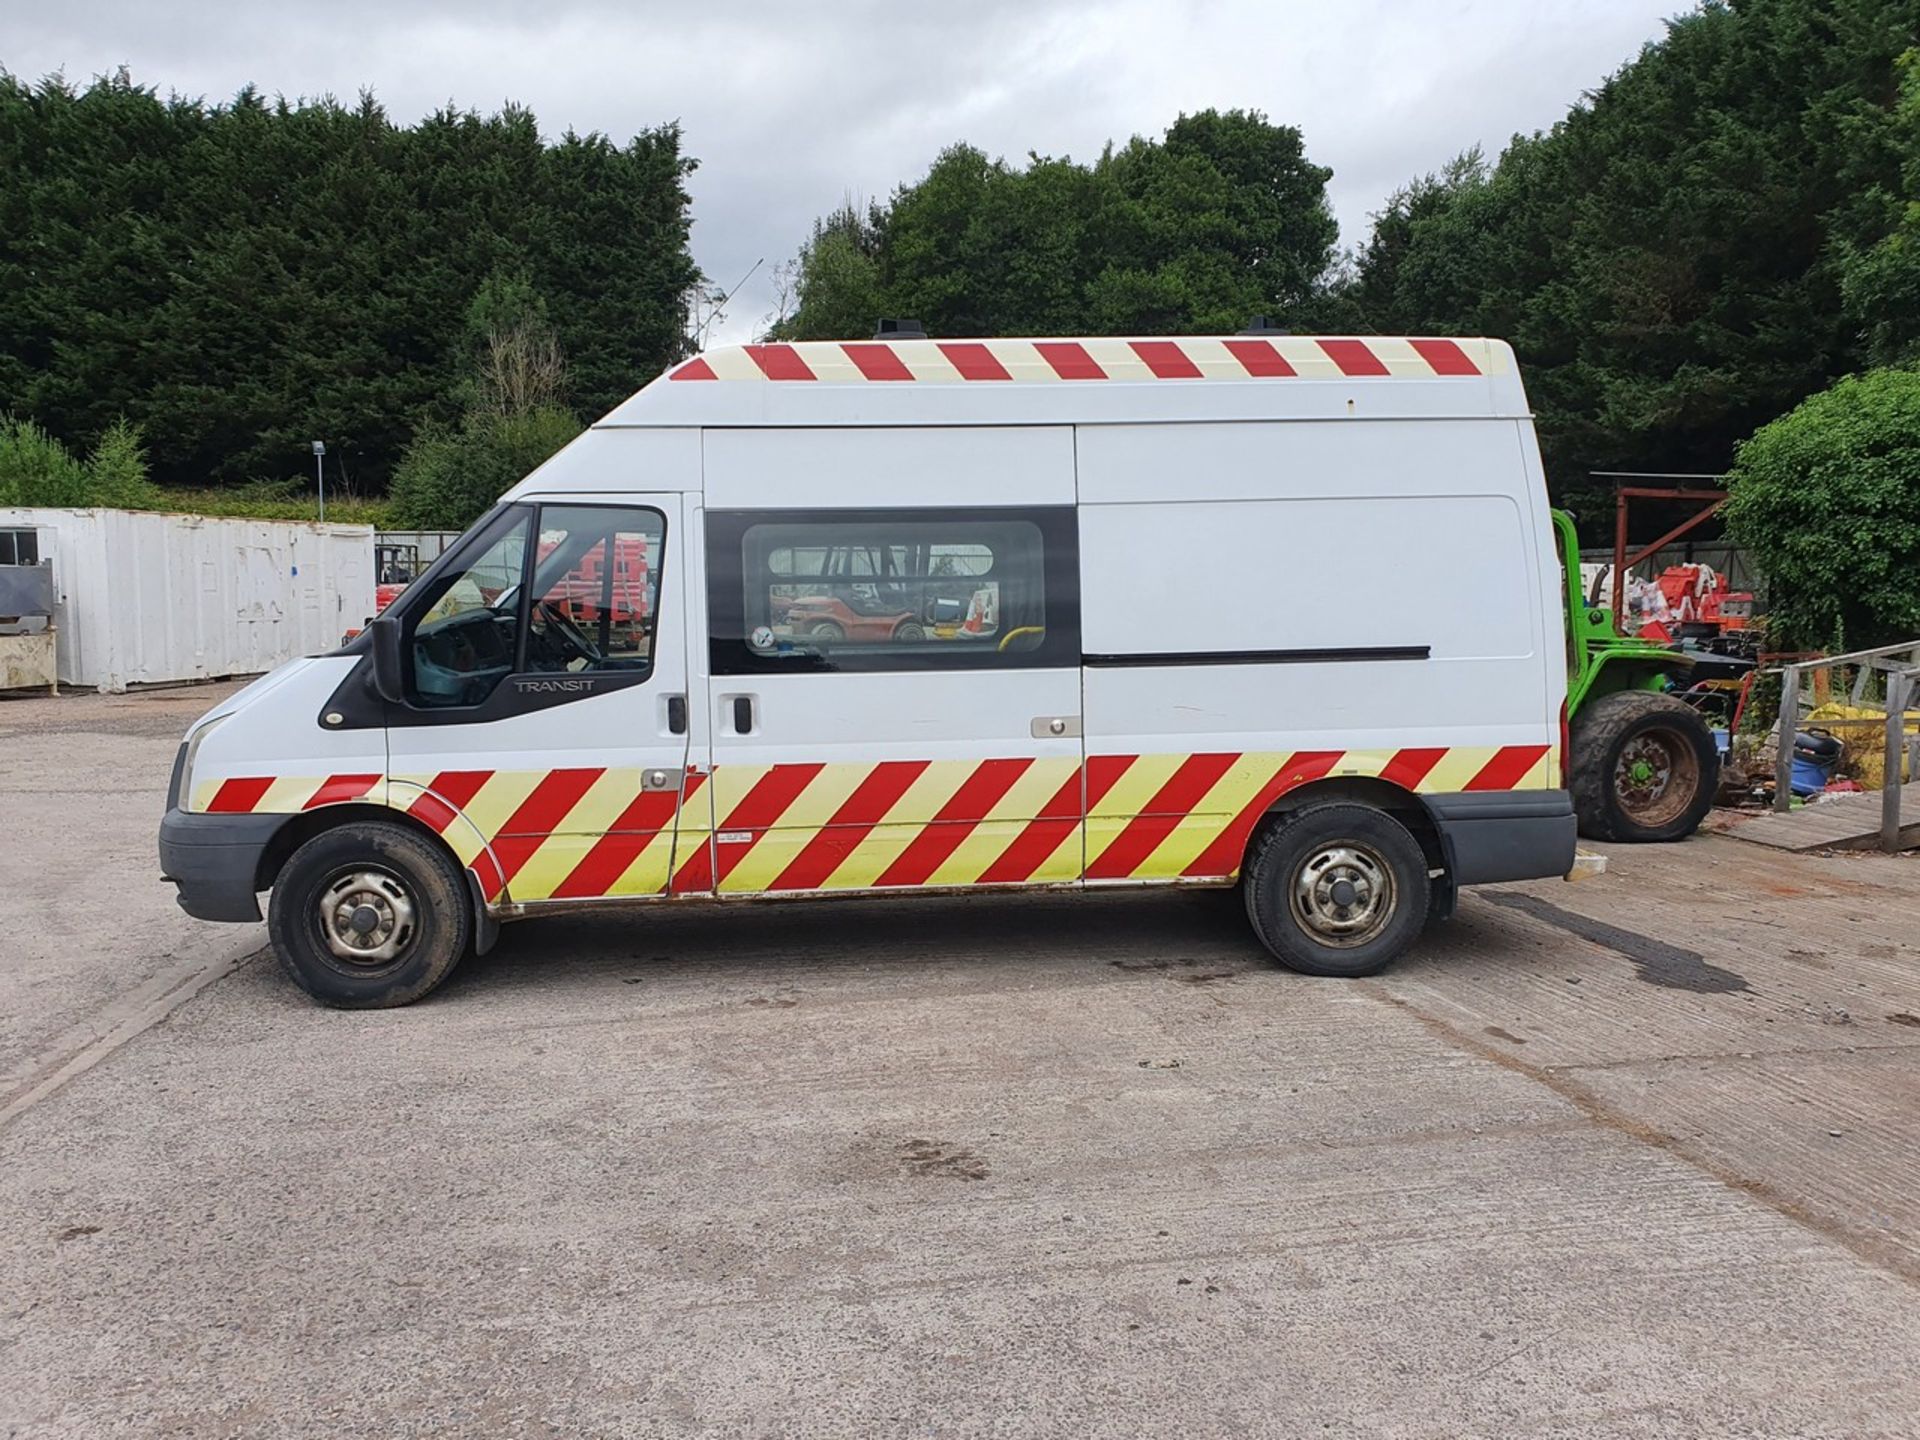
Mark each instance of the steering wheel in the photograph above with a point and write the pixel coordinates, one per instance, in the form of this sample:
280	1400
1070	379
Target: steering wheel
570	632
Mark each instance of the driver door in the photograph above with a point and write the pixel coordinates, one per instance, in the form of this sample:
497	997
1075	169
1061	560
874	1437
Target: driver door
546	716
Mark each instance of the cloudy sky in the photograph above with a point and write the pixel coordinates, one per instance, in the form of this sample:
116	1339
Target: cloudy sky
790	105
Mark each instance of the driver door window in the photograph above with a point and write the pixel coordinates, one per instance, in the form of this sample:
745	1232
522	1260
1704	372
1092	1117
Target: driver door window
596	589
593	575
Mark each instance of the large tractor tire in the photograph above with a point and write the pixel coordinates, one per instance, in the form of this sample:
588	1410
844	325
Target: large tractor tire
1644	767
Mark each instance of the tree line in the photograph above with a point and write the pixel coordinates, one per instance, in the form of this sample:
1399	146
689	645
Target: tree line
236	280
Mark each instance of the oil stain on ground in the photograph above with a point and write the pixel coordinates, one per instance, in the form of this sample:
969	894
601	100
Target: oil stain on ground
942	1158
1657	962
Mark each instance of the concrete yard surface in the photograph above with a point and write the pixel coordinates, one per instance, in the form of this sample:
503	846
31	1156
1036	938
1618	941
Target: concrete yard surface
1635	1157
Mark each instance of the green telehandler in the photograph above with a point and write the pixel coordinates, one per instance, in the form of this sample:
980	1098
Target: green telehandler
1641	762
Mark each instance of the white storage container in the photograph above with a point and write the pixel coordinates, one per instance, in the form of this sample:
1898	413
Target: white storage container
147	599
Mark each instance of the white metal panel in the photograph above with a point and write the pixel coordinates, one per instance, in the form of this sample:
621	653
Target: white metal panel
1122	464
1397	534
847	722
147	598
854	468
1450	572
602	461
272	728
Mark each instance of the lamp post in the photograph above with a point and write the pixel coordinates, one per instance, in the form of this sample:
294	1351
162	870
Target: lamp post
320	476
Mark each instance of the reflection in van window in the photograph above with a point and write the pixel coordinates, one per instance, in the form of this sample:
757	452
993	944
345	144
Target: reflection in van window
842	583
595	589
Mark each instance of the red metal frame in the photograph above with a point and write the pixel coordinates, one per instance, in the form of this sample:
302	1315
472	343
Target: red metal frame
1623	496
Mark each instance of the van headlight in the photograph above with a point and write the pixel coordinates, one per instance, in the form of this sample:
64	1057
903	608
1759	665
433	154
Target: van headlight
199	733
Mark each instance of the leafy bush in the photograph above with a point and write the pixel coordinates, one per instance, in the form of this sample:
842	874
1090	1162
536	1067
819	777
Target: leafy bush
36	469
448	478
1828	500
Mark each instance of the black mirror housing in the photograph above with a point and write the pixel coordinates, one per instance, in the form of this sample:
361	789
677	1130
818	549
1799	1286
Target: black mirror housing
389	680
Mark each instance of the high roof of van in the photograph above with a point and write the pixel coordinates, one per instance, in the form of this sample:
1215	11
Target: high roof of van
1086	380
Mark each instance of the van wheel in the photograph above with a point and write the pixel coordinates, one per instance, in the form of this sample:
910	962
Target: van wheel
1337	890
369	915
1644	767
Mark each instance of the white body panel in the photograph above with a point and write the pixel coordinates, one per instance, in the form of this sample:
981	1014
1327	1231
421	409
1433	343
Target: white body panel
147	599
950	722
889	467
272	728
1317	537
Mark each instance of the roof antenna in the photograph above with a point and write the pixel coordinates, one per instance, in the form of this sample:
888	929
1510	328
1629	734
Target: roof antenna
900	330
1264	325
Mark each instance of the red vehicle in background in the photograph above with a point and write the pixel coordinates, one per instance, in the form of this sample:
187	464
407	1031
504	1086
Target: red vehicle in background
587	589
829	617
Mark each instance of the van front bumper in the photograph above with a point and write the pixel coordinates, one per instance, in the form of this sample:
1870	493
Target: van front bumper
1496	835
214	860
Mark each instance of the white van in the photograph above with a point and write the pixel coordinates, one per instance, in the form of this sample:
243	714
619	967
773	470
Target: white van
812	619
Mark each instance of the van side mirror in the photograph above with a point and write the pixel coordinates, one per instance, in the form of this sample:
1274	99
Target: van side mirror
389	681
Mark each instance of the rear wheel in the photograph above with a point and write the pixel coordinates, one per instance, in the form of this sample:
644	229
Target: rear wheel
369	915
827	630
1644	767
1337	890
909	631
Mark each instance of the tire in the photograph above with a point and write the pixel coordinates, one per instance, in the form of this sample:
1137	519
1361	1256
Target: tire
910	631
1289	878
1644	768
827	630
417	897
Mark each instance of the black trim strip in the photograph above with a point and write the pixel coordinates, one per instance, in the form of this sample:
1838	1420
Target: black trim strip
1336	653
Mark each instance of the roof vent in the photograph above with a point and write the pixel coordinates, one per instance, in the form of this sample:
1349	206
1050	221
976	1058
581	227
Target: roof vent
1264	325
900	330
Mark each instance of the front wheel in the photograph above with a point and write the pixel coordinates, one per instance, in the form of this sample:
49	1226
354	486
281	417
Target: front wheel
1337	890
369	915
1644	767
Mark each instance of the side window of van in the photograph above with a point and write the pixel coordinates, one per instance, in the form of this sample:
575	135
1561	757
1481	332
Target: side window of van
582	597
896	590
596	589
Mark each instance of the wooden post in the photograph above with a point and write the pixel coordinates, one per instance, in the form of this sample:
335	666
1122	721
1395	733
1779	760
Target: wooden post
1898	684
1789	726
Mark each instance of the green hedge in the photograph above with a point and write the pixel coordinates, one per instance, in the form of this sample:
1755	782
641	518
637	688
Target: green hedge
1828	500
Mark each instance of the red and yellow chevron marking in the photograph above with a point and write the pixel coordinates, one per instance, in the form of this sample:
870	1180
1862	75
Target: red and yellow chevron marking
1281	357
894	824
588	833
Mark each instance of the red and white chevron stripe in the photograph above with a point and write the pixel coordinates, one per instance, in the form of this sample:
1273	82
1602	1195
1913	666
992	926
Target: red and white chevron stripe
1282	357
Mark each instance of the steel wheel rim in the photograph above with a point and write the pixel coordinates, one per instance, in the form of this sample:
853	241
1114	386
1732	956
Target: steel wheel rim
367	916
1655	778
1343	894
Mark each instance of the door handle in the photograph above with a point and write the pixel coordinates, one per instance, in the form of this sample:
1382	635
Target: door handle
743	714
676	714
